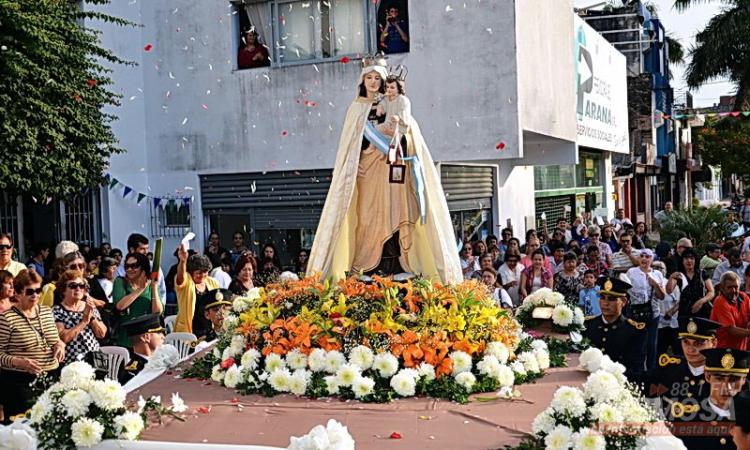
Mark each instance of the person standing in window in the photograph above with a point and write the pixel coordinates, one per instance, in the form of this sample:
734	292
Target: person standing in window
394	37
252	54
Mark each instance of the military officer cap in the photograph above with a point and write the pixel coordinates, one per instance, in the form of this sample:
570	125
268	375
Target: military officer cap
727	361
148	323
216	297
613	287
742	412
697	328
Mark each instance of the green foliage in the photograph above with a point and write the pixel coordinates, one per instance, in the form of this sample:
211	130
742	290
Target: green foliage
55	138
201	367
701	225
726	143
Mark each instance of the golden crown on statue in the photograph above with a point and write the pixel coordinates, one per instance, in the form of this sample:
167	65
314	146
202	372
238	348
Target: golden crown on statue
399	72
378	59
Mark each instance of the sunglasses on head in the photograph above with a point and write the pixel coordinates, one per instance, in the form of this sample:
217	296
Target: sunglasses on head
5	247
132	266
79	266
83	286
31	291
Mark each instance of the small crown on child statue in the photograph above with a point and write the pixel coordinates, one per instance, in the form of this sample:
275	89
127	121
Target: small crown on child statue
378	59
399	72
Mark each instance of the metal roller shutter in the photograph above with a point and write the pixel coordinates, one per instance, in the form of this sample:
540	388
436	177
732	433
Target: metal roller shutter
468	187
554	208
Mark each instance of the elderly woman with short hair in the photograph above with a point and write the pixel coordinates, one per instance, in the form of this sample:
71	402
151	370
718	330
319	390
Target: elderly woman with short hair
191	284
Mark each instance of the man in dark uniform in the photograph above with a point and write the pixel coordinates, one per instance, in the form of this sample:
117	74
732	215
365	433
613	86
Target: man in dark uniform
212	307
741	430
707	424
146	334
679	378
618	337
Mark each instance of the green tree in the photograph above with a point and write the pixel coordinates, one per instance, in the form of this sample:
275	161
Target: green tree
55	136
726	143
721	49
701	225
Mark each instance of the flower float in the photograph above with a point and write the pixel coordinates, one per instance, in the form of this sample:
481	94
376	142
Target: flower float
545	304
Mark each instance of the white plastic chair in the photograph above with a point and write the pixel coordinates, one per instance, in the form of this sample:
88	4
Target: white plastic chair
182	341
169	323
116	357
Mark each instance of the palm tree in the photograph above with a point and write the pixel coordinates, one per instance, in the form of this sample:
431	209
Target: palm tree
722	48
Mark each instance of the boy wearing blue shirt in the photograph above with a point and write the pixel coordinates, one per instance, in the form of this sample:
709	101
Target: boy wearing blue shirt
588	298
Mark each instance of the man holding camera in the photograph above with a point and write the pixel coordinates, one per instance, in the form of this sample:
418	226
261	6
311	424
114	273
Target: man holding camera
395	35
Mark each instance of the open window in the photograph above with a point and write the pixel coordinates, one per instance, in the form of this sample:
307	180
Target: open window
393	26
255	33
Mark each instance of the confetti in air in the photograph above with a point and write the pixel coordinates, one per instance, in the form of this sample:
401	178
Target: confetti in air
148	47
500	146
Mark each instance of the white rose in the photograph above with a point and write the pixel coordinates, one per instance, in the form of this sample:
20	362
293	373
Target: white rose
569	400
466	379
295	359
274	362
427	371
559	438
363	386
347	374
129	426
178	405
18	436
362	356
334	360
316	439
76	402
317	360
403	384
233	377
250	359
77	375
280	380
562	315
108	394
498	350
590	359
386	364
298	381
86	432
461	362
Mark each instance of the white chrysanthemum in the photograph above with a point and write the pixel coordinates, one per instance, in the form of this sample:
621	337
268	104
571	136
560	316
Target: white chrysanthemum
588	439
250	359
489	366
233	377
569	400
466	379
108	394
362	356
237	345
280	379
317	360
86	432
517	367
616	369
347	374
414	373
538	344
41	408
542	358
461	362
332	384
298	382
578	317
386	364
529	362
338	436
129	426
178	404
634	412
363	386
559	438
427	371
77	375
562	315
605	413
76	402
404	384
498	350
334	360
591	359
274	362
295	359
230	322
217	374
241	304
216	352
227	353
544	422
602	386
505	376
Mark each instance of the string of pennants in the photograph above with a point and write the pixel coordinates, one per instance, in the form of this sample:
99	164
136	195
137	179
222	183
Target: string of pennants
709	114
164	202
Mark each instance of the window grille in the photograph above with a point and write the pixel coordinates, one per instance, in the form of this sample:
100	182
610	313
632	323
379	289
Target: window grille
171	217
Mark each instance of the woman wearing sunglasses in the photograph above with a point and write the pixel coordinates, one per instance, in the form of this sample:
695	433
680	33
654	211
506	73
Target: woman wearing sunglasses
135	295
76	317
30	346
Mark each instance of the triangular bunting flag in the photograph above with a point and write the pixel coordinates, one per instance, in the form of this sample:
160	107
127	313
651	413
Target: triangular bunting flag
186	202
113	183
126	191
157	201
140	198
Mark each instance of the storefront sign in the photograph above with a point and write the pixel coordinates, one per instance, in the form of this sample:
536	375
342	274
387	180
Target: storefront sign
601	87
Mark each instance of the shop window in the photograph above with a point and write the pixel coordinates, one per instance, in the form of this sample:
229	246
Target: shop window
589	171
471	225
393	26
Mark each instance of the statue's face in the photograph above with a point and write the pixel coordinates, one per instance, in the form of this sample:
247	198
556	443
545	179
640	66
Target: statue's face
373	82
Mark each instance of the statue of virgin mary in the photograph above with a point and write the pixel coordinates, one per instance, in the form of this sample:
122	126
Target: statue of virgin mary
380	216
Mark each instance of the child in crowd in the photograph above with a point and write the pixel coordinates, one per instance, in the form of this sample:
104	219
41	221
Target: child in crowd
588	298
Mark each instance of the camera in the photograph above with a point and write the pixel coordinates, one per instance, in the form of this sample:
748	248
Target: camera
391	19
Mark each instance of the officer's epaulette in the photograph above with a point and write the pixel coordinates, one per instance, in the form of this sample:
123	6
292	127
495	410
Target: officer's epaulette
590	318
132	366
665	360
637	325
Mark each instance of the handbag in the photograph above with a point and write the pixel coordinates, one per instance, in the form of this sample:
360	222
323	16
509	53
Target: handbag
642	312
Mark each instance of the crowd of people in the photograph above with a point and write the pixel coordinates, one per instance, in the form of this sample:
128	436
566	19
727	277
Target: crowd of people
63	307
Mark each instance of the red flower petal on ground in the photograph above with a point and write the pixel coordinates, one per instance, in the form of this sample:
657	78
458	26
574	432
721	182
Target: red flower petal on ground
395	435
227	363
204	409
235	400
148	47
345	60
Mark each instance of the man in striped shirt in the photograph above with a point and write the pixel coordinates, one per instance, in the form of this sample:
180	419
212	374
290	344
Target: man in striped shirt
627	257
